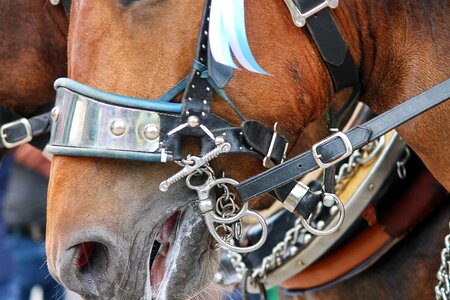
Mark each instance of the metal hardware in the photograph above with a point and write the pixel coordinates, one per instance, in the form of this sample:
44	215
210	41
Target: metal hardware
299	18
401	164
55	113
267	161
206	204
358	158
317	156
442	289
88	127
219	140
295	196
194	164
328	200
193	121
315	231
151	131
306	248
27	138
118	127
54	2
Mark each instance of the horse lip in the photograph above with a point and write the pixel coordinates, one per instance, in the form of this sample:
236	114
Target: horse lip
174	271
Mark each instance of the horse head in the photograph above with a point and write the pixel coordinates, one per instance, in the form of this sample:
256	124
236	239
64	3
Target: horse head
106	216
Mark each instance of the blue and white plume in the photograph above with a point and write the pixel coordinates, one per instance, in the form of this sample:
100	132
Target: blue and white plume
227	35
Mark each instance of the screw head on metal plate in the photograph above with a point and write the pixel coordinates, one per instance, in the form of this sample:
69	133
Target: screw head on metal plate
118	127
151	131
55	113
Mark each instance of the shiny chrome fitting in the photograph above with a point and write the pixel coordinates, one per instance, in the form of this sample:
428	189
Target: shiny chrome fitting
318	157
267	161
295	196
151	132
299	18
27	138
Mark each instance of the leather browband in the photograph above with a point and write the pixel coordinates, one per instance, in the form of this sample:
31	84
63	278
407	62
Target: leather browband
335	147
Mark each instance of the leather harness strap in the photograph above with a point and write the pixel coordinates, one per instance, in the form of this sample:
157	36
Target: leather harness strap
339	145
35	130
66	4
335	53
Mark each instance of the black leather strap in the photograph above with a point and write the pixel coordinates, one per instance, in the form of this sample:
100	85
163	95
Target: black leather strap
40	128
334	51
358	137
198	94
66	5
259	138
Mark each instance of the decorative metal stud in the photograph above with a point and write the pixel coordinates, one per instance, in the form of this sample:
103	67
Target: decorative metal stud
54	2
55	113
328	200
118	127
193	121
151	132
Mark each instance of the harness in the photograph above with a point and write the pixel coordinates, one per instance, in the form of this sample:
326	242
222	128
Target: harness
94	123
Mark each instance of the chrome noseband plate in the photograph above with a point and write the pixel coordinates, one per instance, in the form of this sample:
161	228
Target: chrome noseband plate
85	126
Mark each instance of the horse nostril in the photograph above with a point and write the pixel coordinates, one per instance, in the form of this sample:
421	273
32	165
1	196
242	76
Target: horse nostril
91	258
83	267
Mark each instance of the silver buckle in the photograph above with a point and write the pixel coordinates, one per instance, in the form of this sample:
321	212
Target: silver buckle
299	18
348	150
3	135
267	161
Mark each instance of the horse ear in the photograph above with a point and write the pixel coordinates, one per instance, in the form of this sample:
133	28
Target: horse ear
218	73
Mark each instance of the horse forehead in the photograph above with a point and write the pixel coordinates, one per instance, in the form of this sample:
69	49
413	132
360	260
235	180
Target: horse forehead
146	48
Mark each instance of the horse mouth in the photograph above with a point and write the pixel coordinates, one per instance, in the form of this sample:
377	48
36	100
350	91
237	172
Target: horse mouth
180	248
160	251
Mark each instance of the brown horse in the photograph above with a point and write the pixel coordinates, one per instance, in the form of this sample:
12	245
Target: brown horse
103	214
32	53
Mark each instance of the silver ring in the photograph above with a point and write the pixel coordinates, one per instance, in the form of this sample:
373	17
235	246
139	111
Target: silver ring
211	218
315	231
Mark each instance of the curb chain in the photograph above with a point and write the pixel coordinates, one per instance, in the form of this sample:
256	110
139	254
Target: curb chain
442	289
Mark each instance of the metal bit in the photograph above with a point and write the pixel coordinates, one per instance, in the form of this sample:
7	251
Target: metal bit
197	163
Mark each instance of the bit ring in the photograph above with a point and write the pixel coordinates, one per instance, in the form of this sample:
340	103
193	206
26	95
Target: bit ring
319	232
211	218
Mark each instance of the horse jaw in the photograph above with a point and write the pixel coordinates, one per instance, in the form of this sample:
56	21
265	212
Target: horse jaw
184	252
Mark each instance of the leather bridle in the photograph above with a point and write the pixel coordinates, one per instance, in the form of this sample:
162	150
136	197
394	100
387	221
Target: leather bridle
156	129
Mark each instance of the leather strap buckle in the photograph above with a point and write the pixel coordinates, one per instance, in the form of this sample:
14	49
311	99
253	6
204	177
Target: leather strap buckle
27	138
299	18
267	161
318	157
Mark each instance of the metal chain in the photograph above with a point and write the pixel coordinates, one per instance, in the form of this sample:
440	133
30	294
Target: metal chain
357	159
442	289
226	207
287	247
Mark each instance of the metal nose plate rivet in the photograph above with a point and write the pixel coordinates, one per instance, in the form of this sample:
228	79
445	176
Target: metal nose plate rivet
151	131
118	127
